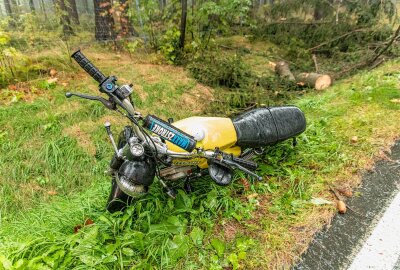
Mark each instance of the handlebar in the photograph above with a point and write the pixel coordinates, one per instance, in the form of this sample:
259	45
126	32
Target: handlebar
88	66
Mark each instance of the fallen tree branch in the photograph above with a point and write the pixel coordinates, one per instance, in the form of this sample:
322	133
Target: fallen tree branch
338	38
374	61
314	58
396	34
297	23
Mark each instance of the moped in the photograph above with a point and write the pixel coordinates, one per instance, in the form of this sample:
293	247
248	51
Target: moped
186	149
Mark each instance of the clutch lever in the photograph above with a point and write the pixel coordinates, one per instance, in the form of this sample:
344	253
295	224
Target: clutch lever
107	103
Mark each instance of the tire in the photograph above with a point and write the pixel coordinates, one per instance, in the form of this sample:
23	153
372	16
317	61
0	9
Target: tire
118	200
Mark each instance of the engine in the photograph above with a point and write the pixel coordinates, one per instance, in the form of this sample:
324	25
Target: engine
175	172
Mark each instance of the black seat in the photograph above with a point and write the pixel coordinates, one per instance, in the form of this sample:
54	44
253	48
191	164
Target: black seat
266	126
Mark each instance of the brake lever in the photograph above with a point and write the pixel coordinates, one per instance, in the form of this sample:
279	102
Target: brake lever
107	103
240	167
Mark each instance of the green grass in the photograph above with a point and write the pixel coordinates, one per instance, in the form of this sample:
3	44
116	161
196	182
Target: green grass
212	228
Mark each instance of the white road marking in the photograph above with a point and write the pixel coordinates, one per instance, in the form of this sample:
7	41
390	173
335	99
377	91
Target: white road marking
382	249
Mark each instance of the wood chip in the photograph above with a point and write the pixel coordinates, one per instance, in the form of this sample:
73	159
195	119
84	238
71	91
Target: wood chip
345	192
354	139
395	100
252	196
341	206
52	80
53	72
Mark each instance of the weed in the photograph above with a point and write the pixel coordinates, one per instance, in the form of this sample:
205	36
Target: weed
36	229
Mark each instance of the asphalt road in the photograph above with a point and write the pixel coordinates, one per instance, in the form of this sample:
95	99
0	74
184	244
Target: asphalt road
368	237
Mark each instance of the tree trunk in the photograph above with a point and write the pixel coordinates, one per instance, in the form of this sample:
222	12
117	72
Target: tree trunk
14	7
183	24
86	6
32	6
104	21
314	80
283	70
139	13
73	11
43	8
127	28
7	7
64	18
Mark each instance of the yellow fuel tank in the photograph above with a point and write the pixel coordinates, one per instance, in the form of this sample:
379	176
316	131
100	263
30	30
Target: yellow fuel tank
209	132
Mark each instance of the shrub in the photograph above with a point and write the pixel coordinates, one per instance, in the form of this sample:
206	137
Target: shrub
218	69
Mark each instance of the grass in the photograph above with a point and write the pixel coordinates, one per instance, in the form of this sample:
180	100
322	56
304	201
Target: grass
55	152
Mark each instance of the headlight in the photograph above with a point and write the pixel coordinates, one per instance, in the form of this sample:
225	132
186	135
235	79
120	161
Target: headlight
137	149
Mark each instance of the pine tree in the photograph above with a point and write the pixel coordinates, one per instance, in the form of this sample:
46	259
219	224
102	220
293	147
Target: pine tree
183	24
104	21
62	11
7	7
73	11
32	6
127	28
86	6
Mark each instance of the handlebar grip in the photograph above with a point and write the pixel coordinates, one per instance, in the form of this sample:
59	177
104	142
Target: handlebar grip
245	163
88	66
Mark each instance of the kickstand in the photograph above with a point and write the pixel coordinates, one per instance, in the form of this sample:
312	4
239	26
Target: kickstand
187	187
170	191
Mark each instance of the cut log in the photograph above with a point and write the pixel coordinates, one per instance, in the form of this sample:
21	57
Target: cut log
282	68
315	80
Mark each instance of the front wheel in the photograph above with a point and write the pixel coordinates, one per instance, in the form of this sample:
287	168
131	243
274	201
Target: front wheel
117	200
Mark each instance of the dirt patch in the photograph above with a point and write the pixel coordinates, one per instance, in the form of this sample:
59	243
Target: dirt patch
138	89
83	138
197	98
230	230
81	131
19	91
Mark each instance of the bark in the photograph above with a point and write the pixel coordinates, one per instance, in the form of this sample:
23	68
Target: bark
127	28
32	6
104	21
283	70
43	8
183	24
64	18
314	80
14	7
7	7
86	6
161	4
73	11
